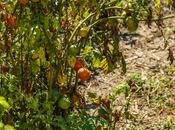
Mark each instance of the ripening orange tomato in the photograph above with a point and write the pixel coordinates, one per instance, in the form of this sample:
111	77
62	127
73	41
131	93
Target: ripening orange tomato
83	74
11	20
79	63
24	2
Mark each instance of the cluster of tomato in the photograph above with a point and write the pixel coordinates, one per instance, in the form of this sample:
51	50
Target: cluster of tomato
83	73
10	19
77	99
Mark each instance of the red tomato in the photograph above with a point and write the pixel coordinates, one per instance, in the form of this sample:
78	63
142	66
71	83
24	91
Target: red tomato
83	74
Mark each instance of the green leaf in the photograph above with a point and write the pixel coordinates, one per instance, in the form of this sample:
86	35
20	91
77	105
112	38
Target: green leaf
96	62
1	125
96	59
86	13
46	22
34	103
168	2
56	24
87	50
9	127
4	103
121	88
61	123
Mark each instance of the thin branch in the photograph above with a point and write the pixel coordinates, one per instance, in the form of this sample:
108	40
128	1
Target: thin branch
122	17
119	8
75	30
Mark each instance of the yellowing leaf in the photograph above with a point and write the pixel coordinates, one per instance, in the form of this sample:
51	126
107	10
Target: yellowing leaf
96	100
2	47
104	65
158	3
168	2
62	79
71	61
41	53
48	75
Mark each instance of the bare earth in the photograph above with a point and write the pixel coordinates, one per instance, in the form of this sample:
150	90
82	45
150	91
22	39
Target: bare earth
146	54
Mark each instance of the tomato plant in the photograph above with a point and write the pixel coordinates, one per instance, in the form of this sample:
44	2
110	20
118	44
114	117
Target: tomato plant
47	46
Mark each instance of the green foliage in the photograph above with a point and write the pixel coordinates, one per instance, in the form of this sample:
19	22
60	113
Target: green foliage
168	125
123	87
136	77
3	103
4	106
39	44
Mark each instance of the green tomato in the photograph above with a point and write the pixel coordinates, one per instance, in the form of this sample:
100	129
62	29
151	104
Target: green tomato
83	32
132	24
64	103
73	50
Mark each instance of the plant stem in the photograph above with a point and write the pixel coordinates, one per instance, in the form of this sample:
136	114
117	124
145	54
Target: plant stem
75	30
122	17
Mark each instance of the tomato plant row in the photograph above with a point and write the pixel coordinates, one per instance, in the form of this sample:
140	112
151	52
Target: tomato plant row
53	45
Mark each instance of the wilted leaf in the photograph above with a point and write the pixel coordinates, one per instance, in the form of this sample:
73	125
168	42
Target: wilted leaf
92	95
104	65
62	79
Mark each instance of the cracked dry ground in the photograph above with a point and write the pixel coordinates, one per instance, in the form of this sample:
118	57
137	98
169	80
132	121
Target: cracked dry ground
148	56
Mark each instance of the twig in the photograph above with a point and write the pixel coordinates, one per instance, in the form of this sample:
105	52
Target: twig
75	30
122	17
120	8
